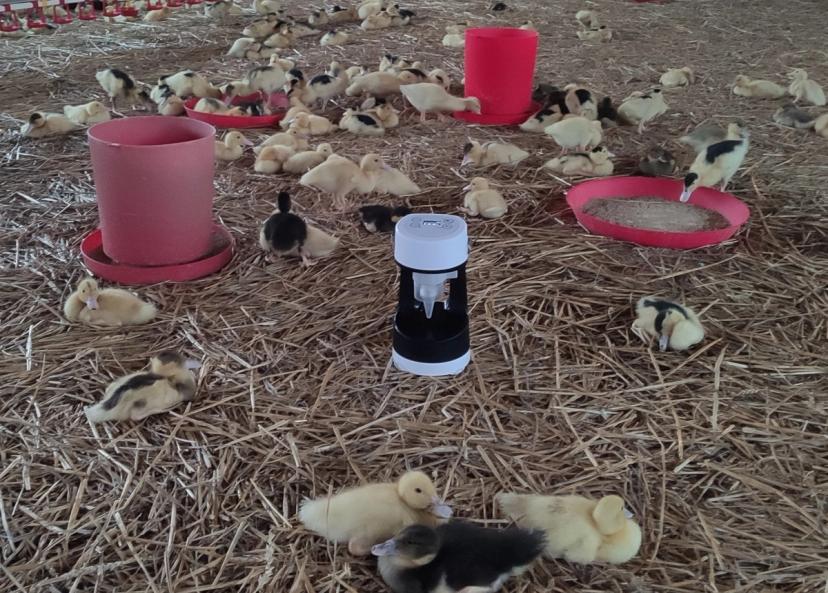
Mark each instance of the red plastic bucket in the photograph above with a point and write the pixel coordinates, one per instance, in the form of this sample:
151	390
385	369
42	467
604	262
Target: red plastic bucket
500	66
154	183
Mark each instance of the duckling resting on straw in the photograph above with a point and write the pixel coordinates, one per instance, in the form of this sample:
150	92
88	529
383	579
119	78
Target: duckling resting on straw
368	515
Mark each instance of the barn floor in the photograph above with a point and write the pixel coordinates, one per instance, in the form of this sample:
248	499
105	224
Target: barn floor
721	453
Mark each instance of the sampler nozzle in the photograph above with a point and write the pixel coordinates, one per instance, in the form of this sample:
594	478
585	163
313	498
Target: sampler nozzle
429	287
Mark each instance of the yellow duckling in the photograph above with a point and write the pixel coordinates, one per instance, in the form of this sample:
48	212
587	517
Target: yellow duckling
578	529
42	124
93	112
427	97
294	138
340	176
483	201
271	159
759	89
804	89
302	162
492	154
168	383
455	36
313	125
676	77
395	182
575	132
109	306
368	515
595	163
232	147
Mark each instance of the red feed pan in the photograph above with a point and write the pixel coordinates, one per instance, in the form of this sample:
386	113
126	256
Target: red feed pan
220	252
728	205
277	100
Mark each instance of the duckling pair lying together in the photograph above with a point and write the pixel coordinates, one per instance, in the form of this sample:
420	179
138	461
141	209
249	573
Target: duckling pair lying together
404	524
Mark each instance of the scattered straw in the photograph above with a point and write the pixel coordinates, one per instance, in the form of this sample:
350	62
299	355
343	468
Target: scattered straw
721	453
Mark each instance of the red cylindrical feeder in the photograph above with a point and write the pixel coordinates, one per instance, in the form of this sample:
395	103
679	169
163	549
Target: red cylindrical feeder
500	66
154	183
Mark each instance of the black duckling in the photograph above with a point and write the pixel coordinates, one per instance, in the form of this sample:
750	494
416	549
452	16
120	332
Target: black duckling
284	232
455	557
658	162
791	116
381	219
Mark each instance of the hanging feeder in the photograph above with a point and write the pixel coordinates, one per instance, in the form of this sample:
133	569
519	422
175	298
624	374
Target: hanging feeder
157	6
35	18
175	3
61	18
128	9
86	12
194	2
9	22
112	9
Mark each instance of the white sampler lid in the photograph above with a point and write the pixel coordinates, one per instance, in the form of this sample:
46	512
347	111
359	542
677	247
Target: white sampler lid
431	242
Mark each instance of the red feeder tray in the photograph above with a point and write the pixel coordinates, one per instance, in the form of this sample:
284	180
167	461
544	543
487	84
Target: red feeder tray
221	251
175	3
277	100
728	205
86	12
194	2
9	24
129	11
61	20
36	20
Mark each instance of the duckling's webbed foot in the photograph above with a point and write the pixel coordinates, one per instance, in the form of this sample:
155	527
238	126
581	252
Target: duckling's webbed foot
359	547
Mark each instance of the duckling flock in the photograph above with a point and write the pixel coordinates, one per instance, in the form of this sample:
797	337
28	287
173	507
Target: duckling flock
405	524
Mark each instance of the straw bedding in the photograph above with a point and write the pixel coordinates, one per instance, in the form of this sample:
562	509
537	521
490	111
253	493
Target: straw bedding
720	453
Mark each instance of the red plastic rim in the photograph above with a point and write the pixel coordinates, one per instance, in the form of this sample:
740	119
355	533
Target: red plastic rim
279	100
497	119
728	205
221	252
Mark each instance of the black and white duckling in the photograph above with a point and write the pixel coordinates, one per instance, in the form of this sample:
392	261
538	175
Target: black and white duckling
544	93
361	124
791	116
284	232
717	163
543	119
657	162
168	383
41	124
640	108
287	234
677	327
703	136
455	557
607	113
119	85
580	101
381	219
325	87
